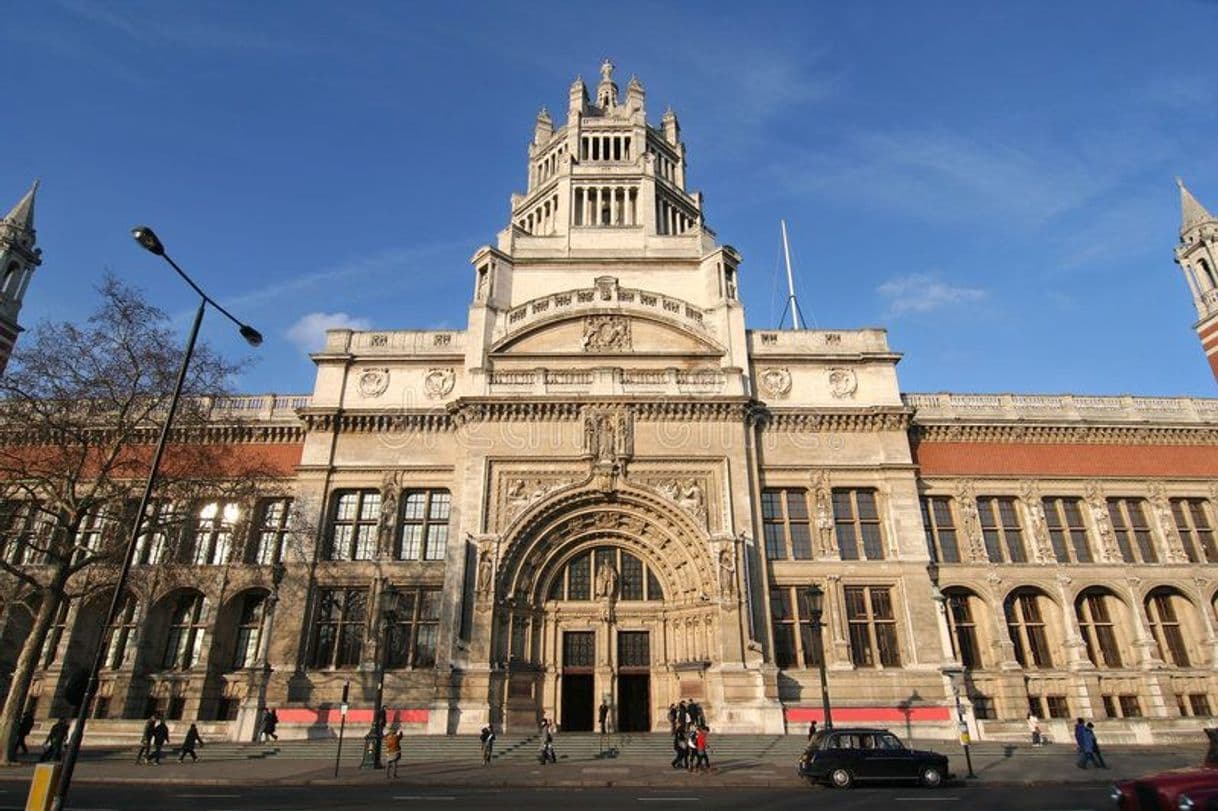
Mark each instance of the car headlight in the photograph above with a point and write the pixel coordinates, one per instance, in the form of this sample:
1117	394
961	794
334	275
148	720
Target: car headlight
1185	803
1115	793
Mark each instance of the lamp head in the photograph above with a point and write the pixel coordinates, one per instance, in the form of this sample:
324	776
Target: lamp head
252	336
816	600
146	237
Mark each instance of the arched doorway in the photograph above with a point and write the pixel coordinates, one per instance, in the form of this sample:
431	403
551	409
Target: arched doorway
603	598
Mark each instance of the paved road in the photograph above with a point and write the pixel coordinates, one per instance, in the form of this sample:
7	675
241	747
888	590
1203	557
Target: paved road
290	798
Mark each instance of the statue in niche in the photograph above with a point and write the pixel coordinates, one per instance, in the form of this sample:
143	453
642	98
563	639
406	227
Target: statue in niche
727	572
486	573
389	512
606	588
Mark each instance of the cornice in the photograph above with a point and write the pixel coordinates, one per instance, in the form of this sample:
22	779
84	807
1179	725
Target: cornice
861	420
1066	434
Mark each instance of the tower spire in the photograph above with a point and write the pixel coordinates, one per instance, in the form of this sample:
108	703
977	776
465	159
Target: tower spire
22	214
1192	213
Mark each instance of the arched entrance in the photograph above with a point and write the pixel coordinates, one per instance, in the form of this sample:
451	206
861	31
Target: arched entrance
602	598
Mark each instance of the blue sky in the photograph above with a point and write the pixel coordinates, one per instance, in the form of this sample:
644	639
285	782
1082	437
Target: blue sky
992	183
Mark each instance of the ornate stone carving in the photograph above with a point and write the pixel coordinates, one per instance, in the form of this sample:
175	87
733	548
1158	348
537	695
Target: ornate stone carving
608	435
1042	547
970	521
822	494
686	494
391	485
727	571
1093	494
373	382
843	383
606	589
775	382
523	491
1160	505
439	383
606	333
486	573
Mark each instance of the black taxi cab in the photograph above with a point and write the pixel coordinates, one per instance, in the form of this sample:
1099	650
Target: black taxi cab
842	756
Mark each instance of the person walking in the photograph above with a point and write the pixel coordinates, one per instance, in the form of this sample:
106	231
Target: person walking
52	749
672	719
545	752
146	740
1095	746
811	729
1084	740
160	737
1034	729
700	747
602	714
680	748
189	743
393	751
270	721
488	744
24	729
691	748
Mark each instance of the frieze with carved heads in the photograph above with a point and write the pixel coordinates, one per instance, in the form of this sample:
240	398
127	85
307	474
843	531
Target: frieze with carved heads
373	382
775	382
439	383
843	383
606	333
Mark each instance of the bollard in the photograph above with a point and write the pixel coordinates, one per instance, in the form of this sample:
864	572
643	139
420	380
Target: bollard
42	786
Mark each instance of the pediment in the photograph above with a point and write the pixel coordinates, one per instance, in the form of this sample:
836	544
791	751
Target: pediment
607	333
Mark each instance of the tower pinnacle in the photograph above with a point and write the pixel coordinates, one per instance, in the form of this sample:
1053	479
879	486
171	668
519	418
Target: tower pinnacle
22	215
606	91
1192	213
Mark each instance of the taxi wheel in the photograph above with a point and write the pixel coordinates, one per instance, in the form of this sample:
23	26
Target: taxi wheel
931	777
841	778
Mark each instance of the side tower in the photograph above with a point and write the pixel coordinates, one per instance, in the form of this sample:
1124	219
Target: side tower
1196	255
18	258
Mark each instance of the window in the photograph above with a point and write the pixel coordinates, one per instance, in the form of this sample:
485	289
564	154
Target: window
187	629
1165	627
23	531
578	649
634	649
424	524
1099	635
1026	625
274	522
1197	705
1195	531
1058	706
93	531
785	521
213	537
873	627
249	630
1129	705
794	637
119	635
50	645
635	580
940	529
1067	531
158	532
963	629
1128	516
1001	530
412	640
353	525
338	631
857	524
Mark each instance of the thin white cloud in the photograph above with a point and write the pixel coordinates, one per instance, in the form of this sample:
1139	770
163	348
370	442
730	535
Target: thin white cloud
309	331
924	293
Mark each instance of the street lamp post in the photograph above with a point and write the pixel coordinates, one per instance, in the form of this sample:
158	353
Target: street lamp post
816	608
955	675
148	239
389	618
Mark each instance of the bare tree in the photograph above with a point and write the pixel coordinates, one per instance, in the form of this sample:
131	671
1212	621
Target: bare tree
80	407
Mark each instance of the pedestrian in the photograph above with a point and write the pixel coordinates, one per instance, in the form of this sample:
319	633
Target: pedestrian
1084	740
691	748
393	751
1034	729
270	720
545	752
488	744
696	718
811	729
189	743
52	749
146	740
1095	746
602	714
680	749
681	716
672	719
160	737
24	729
700	747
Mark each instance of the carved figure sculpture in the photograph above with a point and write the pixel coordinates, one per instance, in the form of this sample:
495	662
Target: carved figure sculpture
727	572
486	573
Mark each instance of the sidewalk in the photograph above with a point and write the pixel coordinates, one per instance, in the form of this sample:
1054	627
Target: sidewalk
993	764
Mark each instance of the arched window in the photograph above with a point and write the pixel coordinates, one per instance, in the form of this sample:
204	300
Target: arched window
214	533
249	630
1026	623
1165	609
635	580
1095	610
963	627
11	274
1207	273
187	629
118	636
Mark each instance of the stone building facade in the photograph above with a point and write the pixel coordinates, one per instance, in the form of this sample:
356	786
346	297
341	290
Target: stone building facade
607	488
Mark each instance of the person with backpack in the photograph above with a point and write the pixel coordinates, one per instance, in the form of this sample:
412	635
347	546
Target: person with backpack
393	751
143	755
189	743
487	738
